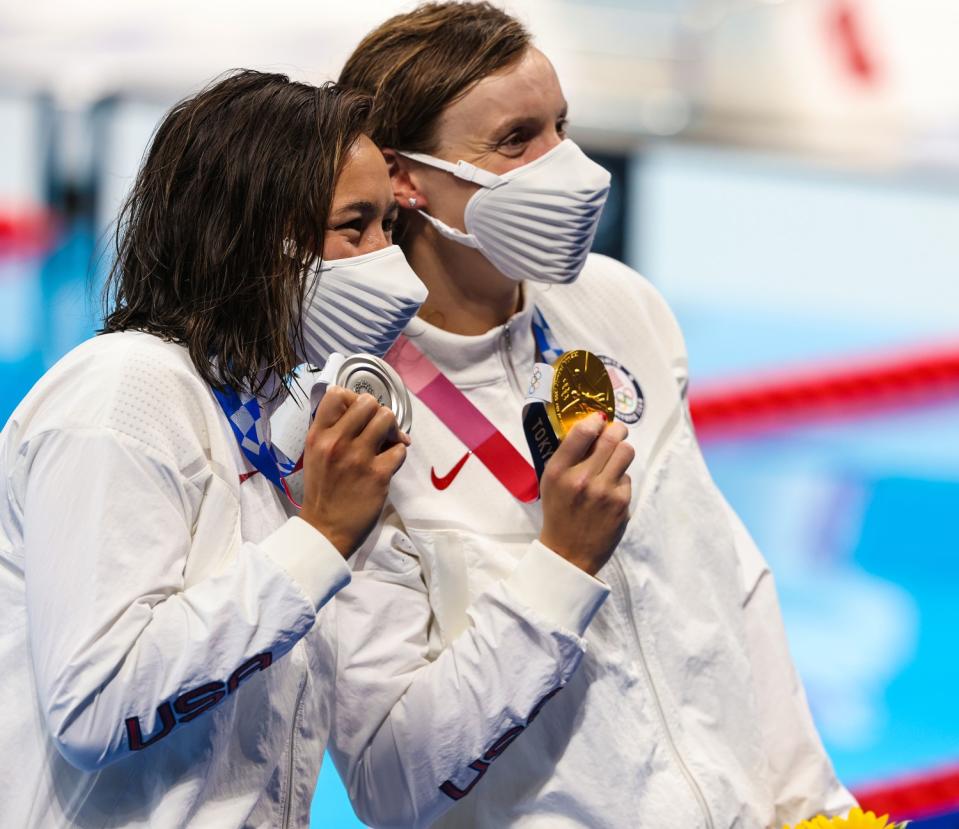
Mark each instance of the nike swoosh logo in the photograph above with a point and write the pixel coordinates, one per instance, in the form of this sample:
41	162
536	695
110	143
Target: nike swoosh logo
447	479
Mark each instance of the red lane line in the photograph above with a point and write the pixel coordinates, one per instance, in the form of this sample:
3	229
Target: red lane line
913	797
26	232
830	393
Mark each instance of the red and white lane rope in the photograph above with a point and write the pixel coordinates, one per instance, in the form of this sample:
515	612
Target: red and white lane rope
799	397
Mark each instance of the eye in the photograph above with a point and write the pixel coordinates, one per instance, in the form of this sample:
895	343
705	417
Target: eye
354	224
515	141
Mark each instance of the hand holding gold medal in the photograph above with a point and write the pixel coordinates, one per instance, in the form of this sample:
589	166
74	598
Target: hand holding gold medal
584	487
560	396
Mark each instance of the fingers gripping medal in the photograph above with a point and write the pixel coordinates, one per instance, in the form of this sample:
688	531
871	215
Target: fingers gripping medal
560	396
362	374
366	374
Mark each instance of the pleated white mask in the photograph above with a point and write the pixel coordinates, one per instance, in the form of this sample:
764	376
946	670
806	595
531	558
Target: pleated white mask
534	222
358	305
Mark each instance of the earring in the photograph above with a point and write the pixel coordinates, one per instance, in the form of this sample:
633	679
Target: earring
412	201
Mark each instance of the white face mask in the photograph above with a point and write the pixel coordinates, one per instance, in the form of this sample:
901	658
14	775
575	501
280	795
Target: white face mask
358	305
536	221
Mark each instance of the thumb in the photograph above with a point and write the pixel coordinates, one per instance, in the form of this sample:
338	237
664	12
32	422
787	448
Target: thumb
579	441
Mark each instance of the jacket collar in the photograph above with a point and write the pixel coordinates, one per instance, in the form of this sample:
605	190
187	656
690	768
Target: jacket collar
484	359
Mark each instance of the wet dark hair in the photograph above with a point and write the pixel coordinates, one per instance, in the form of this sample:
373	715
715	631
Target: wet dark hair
232	173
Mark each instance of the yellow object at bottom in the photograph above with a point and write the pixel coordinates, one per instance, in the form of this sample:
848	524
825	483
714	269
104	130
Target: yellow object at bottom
856	820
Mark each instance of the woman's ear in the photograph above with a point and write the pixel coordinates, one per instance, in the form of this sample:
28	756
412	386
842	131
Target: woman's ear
402	177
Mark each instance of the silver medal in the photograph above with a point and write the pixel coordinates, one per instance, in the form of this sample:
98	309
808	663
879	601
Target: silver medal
366	374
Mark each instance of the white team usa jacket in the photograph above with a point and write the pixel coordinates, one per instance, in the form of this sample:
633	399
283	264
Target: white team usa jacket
482	681
162	661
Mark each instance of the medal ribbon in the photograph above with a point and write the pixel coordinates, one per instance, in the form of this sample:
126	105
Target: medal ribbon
545	339
249	428
464	420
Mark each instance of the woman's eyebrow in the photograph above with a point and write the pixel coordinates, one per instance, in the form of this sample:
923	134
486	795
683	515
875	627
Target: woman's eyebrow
507	125
510	123
364	208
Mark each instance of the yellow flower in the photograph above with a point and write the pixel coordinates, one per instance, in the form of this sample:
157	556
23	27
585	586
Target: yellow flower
856	820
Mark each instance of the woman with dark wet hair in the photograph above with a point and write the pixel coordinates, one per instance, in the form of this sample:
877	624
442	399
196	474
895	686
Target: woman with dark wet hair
167	658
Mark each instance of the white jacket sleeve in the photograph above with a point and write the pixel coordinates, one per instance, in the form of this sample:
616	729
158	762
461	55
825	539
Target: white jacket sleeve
415	732
123	651
801	777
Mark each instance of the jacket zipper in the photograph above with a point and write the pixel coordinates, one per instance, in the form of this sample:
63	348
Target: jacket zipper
674	749
288	796
507	356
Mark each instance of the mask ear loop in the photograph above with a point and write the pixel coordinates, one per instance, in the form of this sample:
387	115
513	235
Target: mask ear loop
461	169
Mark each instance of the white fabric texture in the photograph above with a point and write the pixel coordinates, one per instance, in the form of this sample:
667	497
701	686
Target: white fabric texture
683	711
142	581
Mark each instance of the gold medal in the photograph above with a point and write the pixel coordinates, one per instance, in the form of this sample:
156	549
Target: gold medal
581	386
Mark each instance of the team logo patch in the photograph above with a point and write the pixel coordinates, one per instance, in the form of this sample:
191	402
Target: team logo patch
630	402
